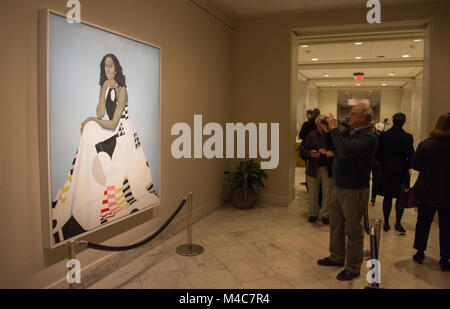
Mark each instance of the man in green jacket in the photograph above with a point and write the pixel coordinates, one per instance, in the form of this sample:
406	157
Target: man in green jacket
354	150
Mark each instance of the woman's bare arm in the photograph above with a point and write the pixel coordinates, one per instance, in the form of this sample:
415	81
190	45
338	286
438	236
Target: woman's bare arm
101	108
112	124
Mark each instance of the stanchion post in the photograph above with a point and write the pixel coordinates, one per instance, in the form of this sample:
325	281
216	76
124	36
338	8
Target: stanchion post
189	242
72	256
190	249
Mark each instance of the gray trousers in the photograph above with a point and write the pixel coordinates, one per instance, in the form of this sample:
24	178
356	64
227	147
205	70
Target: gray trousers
314	184
346	212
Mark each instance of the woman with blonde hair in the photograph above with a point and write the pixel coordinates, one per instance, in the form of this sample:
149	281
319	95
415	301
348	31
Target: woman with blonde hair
432	162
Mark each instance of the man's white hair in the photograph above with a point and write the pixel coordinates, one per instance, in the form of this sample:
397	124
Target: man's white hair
367	112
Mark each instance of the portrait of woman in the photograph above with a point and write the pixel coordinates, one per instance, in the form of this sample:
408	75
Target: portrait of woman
110	176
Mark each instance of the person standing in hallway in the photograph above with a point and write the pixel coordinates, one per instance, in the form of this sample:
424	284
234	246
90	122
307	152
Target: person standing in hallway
307	127
432	162
395	151
380	127
318	173
354	151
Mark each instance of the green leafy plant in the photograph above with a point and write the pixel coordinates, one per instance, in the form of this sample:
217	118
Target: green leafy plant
247	177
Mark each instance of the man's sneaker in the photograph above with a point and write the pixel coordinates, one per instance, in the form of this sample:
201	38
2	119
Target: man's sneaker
328	262
325	220
399	229
346	275
312	219
386	227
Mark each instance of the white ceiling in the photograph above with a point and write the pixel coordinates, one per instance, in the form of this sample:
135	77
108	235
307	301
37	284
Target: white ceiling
251	8
391	50
395	70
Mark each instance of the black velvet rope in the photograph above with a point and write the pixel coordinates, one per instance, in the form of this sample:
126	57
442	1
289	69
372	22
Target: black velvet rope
142	242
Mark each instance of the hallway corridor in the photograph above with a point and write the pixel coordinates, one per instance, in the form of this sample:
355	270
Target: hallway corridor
275	248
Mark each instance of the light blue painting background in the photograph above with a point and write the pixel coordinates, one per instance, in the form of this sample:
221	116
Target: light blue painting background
76	51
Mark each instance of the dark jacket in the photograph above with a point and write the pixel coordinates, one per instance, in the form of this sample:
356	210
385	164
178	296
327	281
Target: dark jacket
395	151
314	142
432	160
307	128
353	158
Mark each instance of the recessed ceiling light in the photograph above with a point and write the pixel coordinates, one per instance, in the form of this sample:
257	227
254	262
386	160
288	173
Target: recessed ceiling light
358	43
358	58
305	46
358	84
384	85
405	56
326	75
418	40
391	74
315	59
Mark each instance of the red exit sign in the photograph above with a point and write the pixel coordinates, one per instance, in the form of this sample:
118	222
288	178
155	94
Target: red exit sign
358	76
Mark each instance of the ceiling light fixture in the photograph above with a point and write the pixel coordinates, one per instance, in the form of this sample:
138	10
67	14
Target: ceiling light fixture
358	43
405	56
358	58
384	85
315	59
305	46
358	84
326	75
418	40
391	74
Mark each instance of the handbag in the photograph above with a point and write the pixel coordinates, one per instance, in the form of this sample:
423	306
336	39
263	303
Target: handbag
407	197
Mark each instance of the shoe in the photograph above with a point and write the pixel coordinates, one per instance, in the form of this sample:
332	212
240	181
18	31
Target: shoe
419	257
325	221
346	275
312	219
399	229
445	265
303	183
386	227
372	201
328	262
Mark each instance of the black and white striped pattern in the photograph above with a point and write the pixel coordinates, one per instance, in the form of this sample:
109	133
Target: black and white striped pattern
137	143
121	131
151	189
125	113
127	192
73	164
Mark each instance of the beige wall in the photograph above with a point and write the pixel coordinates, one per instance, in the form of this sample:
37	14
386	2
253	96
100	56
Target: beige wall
328	102
390	104
196	78
262	48
205	67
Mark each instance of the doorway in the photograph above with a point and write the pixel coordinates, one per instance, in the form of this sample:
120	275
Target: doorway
392	58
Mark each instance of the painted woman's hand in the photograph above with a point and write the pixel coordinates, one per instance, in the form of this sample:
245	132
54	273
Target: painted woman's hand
85	122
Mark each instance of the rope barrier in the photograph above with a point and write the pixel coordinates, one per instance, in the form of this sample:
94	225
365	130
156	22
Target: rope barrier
138	244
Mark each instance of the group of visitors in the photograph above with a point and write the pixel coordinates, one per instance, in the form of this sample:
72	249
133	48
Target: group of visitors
340	158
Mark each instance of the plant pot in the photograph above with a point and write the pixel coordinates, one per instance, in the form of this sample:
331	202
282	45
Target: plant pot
250	202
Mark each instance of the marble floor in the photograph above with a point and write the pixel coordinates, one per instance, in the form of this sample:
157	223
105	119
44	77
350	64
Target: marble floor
272	247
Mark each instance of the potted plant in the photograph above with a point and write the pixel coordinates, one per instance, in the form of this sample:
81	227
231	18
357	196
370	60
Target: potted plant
245	183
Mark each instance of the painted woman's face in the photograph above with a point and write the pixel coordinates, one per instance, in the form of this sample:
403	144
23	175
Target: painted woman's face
110	69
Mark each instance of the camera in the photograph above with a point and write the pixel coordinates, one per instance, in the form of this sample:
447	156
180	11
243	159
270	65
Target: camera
324	121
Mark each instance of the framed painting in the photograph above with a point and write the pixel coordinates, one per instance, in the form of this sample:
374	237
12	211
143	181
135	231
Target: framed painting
99	127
